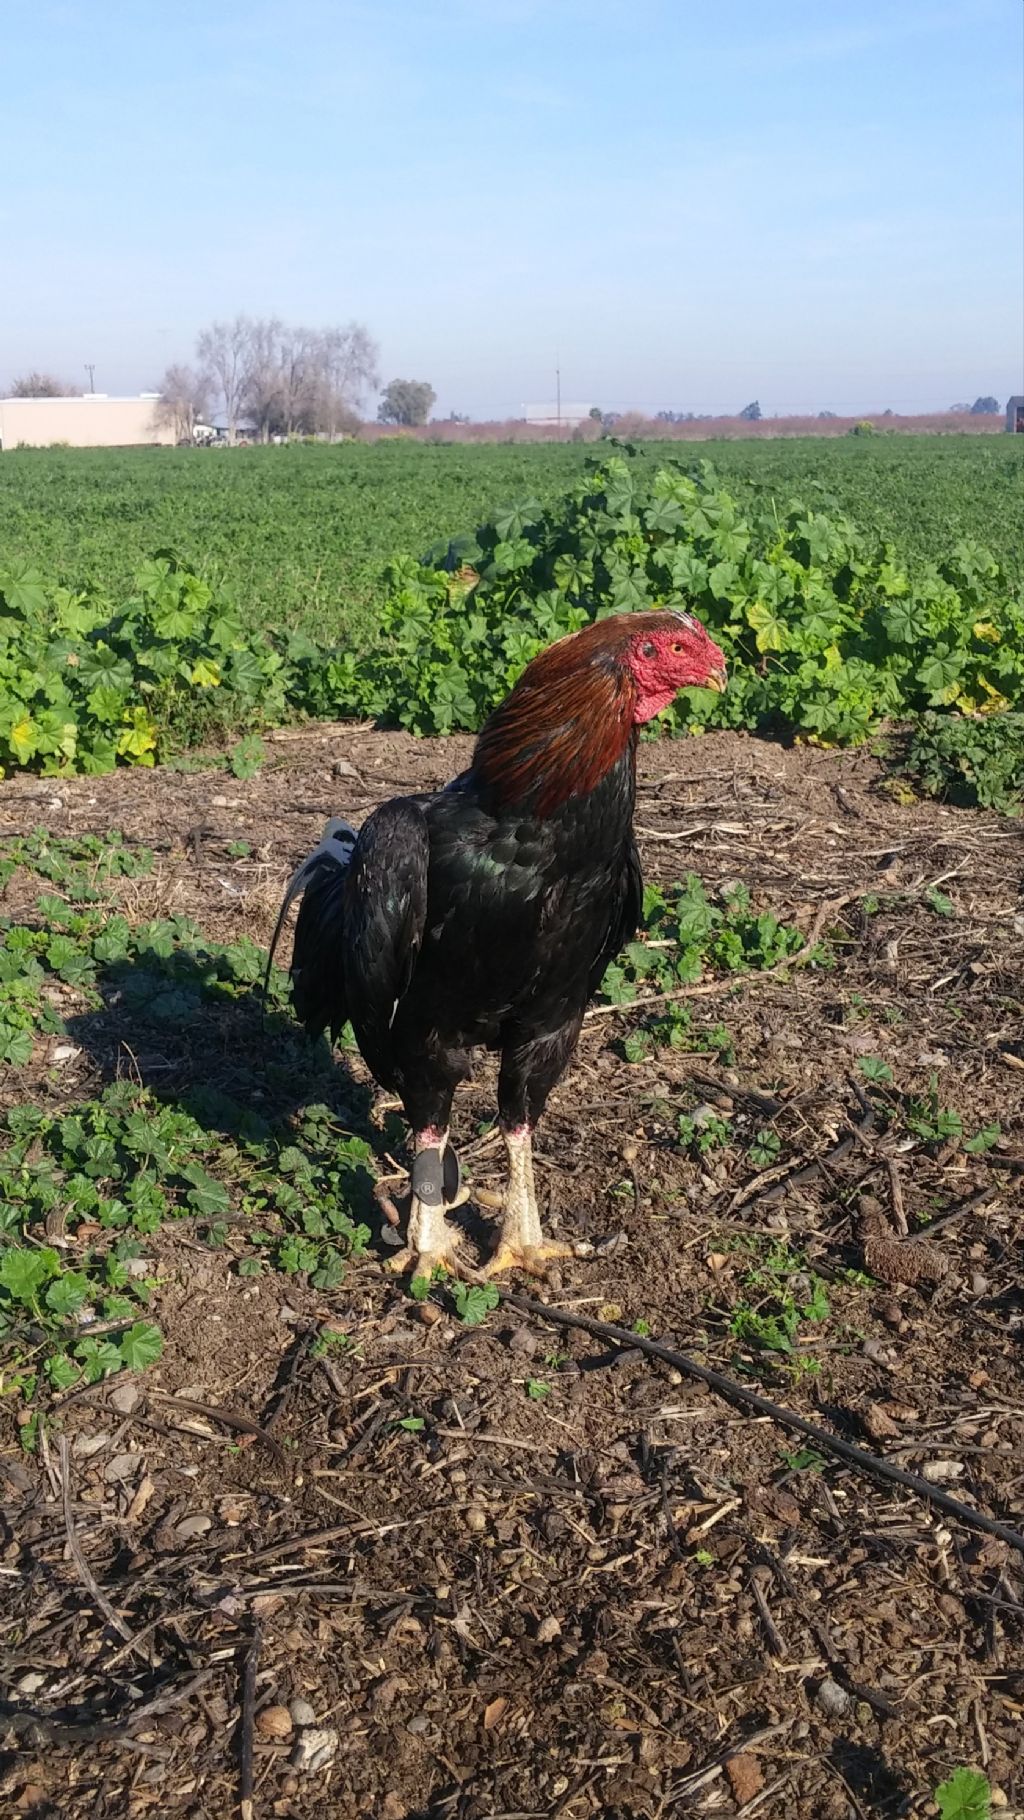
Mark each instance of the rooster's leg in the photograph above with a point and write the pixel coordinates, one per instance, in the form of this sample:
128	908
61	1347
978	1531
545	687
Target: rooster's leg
522	1245
431	1243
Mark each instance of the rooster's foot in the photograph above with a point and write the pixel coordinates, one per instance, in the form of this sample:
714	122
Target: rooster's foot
436	1182
433	1245
534	1259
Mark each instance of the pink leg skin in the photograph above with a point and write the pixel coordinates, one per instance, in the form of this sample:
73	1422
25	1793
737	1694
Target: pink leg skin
431	1243
522	1245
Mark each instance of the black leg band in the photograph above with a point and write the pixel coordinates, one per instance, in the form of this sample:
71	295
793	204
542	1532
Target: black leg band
436	1176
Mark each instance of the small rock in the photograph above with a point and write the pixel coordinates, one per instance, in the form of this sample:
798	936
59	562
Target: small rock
301	1711
316	1748
833	1700
193	1526
940	1472
979	1284
418	1724
548	1630
342	768
30	1684
122	1466
475	1519
274	1722
64	1052
125	1397
140	1267
877	1353
607	1248
746	1778
84	1446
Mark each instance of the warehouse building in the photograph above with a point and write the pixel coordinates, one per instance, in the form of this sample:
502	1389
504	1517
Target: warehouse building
93	421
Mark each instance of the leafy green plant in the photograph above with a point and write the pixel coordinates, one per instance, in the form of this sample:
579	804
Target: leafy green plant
702	1135
765	1148
684	932
970	760
825	632
965	1795
474	1301
928	1120
788	1296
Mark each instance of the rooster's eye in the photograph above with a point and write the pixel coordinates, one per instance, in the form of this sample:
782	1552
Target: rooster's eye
647	649
678	649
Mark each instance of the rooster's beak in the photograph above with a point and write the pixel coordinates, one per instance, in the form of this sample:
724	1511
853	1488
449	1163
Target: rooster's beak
716	680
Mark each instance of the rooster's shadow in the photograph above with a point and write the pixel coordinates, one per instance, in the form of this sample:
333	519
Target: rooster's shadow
190	1036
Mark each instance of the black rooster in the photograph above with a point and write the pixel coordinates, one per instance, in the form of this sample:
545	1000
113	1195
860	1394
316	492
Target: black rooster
487	913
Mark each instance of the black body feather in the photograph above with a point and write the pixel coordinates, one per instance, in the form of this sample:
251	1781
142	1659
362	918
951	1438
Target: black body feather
454	923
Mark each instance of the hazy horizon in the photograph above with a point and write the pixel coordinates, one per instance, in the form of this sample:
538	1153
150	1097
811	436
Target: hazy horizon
682	208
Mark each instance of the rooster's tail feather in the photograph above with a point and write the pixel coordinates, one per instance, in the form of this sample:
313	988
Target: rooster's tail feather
316	970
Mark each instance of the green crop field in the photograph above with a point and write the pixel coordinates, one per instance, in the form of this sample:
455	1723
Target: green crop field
301	535
159	600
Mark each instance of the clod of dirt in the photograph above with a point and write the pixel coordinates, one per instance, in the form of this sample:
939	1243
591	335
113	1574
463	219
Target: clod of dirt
878	1425
941	1472
301	1712
523	1341
385	1691
906	1261
746	1778
548	1630
316	1748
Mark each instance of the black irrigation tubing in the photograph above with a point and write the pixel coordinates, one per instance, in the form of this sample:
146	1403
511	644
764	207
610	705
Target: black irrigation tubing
732	1392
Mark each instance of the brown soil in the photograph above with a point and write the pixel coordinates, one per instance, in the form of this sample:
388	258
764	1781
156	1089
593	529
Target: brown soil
614	1596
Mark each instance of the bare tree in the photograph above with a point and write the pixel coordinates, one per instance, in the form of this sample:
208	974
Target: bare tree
287	379
346	364
297	379
42	385
224	348
262	395
184	400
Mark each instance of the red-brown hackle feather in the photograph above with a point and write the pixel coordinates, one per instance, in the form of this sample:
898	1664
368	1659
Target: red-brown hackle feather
570	717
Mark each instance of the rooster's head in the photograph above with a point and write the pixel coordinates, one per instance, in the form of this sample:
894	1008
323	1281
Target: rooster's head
665	652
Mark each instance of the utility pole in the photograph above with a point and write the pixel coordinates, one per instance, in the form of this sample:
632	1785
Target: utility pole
90	369
558	397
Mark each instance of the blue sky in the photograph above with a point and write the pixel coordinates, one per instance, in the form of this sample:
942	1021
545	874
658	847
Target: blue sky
687	203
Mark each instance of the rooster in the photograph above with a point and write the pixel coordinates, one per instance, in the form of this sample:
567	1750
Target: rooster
486	914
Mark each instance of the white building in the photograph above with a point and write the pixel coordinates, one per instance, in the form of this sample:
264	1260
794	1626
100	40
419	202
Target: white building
93	421
568	415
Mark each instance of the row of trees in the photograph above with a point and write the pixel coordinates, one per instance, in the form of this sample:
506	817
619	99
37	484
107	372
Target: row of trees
285	381
42	385
276	379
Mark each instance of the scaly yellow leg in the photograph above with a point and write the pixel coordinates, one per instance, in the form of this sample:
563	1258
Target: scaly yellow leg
522	1245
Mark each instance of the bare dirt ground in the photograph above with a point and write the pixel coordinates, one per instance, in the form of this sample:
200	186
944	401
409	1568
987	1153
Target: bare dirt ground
582	1587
